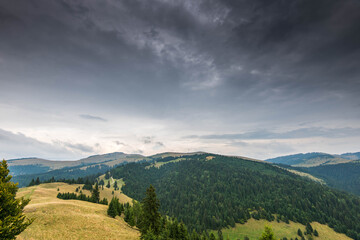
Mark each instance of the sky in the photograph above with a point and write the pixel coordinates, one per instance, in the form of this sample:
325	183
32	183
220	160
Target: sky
254	78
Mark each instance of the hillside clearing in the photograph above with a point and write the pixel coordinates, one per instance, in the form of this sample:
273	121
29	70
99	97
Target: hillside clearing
70	219
254	228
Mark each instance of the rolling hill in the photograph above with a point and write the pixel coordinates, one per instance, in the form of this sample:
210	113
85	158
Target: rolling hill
23	166
208	191
337	171
343	176
312	159
71	219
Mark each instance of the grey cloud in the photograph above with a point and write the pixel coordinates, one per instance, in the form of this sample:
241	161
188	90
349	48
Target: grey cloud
297	133
91	117
160	144
119	143
15	145
216	65
147	140
79	147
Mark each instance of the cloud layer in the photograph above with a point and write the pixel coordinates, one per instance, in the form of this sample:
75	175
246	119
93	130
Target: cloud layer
171	69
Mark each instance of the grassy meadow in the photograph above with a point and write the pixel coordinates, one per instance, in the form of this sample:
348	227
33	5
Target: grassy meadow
71	219
254	228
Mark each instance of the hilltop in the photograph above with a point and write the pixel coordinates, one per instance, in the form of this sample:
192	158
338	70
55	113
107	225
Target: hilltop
209	191
71	219
22	166
313	159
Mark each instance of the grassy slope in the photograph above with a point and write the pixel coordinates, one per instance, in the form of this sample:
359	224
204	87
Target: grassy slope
71	219
254	228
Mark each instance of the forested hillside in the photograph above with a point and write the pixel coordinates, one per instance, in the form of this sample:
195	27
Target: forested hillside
211	192
344	176
64	173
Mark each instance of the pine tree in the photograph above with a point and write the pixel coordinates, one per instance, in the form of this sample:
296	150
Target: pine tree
151	216
108	184
95	194
37	182
220	235
183	233
309	229
316	234
212	237
115	186
268	234
112	209
299	232
12	220
32	183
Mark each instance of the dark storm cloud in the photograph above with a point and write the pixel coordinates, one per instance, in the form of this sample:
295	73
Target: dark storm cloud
91	117
289	47
297	133
214	65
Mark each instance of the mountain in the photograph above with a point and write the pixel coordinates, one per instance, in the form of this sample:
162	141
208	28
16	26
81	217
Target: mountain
311	159
73	219
337	171
24	166
209	191
351	156
343	176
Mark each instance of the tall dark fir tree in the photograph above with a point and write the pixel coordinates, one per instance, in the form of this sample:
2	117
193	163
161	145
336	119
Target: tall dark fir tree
12	219
150	217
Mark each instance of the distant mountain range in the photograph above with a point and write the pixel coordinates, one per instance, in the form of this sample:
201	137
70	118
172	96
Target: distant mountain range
337	171
23	166
24	170
314	159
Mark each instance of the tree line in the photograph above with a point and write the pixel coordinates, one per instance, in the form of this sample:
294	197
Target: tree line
95	196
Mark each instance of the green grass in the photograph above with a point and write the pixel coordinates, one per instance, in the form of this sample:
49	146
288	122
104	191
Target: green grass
254	228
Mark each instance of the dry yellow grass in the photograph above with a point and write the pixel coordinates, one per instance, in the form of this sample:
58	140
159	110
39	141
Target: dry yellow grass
70	219
254	228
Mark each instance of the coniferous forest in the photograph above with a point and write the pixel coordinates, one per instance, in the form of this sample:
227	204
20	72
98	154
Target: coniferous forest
215	192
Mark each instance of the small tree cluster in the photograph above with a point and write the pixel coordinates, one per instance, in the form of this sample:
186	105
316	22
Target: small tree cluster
81	196
115	208
116	187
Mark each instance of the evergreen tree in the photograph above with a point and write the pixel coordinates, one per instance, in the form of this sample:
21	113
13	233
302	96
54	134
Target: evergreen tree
108	184
107	175
32	183
316	234
149	235
220	235
151	216
268	234
183	233
299	232
95	194
212	237
309	229
116	186
102	183
112	209
37	182
12	220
